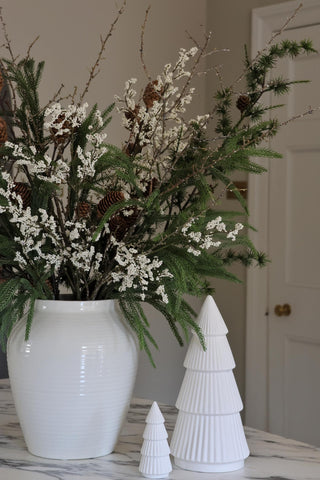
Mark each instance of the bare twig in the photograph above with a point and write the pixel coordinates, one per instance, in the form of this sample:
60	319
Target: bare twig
142	43
7	45
217	69
193	40
61	216
202	50
310	111
93	70
216	50
31	45
212	52
6	36
75	90
54	98
284	26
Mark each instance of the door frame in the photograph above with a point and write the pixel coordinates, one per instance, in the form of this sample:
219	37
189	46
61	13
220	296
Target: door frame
264	21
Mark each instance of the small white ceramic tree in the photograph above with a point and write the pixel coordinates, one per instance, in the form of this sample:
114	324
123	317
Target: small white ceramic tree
209	436
155	460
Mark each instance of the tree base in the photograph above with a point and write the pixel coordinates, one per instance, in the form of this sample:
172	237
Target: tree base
208	467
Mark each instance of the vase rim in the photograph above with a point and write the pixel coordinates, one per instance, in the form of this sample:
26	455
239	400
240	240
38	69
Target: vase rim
75	305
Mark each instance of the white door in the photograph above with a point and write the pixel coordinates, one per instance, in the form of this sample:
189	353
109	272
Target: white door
294	276
291	362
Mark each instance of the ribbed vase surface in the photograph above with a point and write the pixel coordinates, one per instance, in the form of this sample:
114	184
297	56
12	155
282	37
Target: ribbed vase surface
73	379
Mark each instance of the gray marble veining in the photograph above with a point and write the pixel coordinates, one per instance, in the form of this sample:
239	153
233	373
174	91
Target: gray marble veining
272	457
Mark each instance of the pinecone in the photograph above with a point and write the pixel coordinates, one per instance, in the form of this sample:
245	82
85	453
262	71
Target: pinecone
120	224
25	193
130	216
83	209
132	115
243	102
3	131
118	227
107	201
61	123
151	95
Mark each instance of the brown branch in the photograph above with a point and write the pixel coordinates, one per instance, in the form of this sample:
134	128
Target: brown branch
31	45
193	40
142	43
218	73
193	70
213	51
7	45
310	111
284	26
75	89
93	70
217	50
6	36
60	217
54	98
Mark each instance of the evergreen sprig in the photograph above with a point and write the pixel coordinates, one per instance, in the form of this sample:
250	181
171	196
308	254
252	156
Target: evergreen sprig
140	223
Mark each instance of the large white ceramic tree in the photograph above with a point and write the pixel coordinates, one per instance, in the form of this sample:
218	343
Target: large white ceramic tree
209	436
155	460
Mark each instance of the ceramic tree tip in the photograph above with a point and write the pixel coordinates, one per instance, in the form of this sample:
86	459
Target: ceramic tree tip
155	415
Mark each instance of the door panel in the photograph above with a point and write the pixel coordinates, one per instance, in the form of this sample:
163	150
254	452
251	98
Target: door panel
302	362
302	259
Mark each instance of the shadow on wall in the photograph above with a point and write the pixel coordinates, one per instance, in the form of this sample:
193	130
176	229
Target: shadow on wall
3	365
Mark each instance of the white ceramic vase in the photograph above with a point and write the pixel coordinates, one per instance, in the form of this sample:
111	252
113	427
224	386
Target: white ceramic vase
73	379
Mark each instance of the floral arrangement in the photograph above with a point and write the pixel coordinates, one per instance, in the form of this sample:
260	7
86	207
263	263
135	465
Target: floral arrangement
138	222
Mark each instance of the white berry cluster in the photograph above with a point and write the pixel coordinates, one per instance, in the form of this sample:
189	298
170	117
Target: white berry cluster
137	270
62	120
42	166
203	241
34	232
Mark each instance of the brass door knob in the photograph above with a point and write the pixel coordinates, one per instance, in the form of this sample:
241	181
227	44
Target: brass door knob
282	310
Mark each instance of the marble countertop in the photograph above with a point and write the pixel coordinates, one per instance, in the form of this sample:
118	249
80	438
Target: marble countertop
272	457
